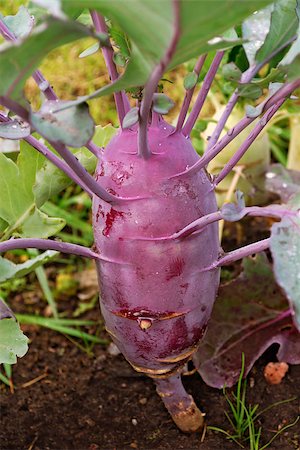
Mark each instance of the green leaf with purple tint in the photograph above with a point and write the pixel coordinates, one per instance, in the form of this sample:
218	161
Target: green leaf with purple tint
285	248
73	126
20	24
14	130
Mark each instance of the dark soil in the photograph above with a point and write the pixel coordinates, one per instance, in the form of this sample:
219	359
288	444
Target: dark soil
87	401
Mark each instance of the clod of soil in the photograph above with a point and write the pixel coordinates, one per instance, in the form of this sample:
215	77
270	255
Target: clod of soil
275	372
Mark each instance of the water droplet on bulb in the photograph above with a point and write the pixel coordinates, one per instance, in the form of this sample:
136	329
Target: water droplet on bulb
270	175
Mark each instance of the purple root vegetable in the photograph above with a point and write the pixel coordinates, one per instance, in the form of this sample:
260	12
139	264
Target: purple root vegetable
155	299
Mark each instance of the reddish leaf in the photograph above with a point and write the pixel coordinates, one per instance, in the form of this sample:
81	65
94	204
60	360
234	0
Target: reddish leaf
250	314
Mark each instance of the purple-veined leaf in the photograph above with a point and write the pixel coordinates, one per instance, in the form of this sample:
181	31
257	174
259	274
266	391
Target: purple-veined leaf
250	314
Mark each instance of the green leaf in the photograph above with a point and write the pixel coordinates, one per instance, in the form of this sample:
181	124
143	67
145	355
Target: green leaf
230	72
14	130
90	50
50	180
149	26
190	80
17	204
9	270
13	342
255	111
162	103
273	76
119	59
19	60
290	64
254	29
131	118
285	249
39	12
120	40
249	90
73	126
20	24
52	6
284	24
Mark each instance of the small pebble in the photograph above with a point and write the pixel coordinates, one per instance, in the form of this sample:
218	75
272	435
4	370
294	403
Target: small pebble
113	350
143	401
134	422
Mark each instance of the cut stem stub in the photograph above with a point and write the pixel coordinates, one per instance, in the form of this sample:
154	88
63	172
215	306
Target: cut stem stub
180	404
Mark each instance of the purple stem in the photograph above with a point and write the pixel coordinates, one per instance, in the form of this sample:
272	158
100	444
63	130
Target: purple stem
83	174
122	103
189	94
197	225
202	94
283	92
247	143
94	149
43	149
276	211
5	31
44	85
68	156
151	85
245	78
38	77
48	244
240	253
